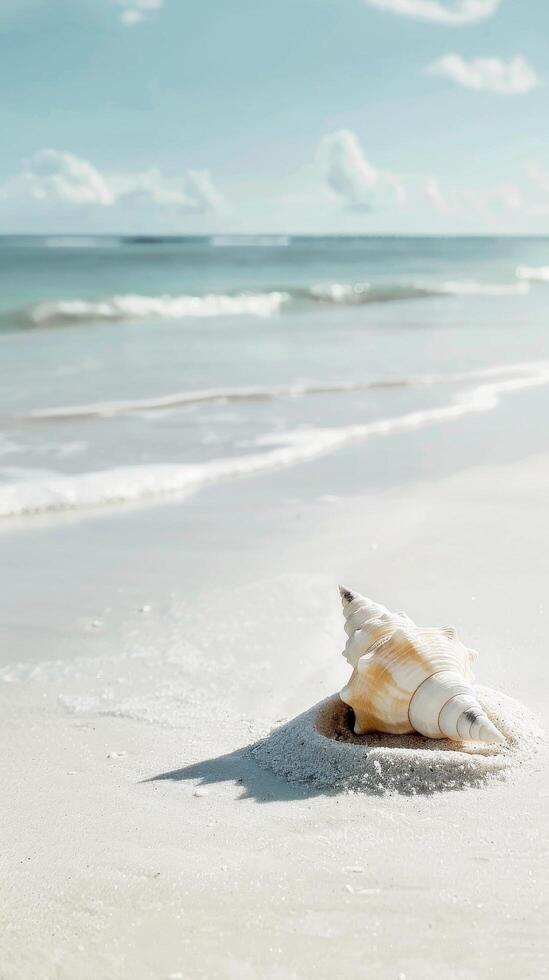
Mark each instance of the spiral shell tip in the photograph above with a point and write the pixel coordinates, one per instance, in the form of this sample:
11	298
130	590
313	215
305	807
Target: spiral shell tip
346	594
489	733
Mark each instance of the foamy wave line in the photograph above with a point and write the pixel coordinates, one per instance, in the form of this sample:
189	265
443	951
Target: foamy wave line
472	288
533	273
258	304
138	483
364	292
182	399
359	293
135	307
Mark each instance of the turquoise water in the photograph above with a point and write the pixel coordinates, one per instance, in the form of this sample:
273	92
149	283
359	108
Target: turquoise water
35	269
139	367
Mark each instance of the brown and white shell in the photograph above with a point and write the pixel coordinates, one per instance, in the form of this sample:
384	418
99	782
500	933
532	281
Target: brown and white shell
408	678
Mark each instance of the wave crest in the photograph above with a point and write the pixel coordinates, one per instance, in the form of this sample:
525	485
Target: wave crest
533	273
469	287
350	294
136	307
365	292
133	306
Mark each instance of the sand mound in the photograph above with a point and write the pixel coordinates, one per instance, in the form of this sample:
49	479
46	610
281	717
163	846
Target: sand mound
320	749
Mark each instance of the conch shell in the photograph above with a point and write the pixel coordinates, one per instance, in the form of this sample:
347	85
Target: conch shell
409	679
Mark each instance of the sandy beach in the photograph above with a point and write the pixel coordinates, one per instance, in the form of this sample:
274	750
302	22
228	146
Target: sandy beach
274	490
142	840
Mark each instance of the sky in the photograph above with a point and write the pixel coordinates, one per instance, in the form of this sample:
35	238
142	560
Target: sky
280	116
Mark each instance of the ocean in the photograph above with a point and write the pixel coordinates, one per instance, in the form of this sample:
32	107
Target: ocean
139	369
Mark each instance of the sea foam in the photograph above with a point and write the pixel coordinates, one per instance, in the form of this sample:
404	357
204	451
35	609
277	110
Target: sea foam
469	287
533	273
365	292
261	303
136	307
183	399
134	483
223	395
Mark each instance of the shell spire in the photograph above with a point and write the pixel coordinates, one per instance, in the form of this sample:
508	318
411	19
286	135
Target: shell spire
408	678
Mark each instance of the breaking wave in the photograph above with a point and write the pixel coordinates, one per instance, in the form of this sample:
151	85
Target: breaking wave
135	307
533	273
132	306
364	292
274	452
469	287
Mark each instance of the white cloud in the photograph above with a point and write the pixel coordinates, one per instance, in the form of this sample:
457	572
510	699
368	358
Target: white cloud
465	200
131	17
352	178
62	177
510	196
514	77
55	178
439	201
200	189
136	11
452	13
540	179
453	200
193	194
538	176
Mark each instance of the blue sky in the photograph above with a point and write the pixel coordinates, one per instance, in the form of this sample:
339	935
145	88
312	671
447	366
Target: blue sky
328	116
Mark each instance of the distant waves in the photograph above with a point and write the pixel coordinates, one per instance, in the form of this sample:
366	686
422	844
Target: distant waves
136	307
259	303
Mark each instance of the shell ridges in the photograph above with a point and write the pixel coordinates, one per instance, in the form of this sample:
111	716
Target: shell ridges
408	678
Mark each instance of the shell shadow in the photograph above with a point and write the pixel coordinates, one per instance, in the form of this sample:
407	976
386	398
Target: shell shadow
240	768
320	750
318	754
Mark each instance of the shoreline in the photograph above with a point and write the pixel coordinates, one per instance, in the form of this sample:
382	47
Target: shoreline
281	451
190	682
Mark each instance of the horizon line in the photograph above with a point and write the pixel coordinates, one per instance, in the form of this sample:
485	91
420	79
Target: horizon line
153	236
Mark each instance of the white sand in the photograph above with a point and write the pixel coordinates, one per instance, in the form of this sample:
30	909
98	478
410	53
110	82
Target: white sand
142	840
320	749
